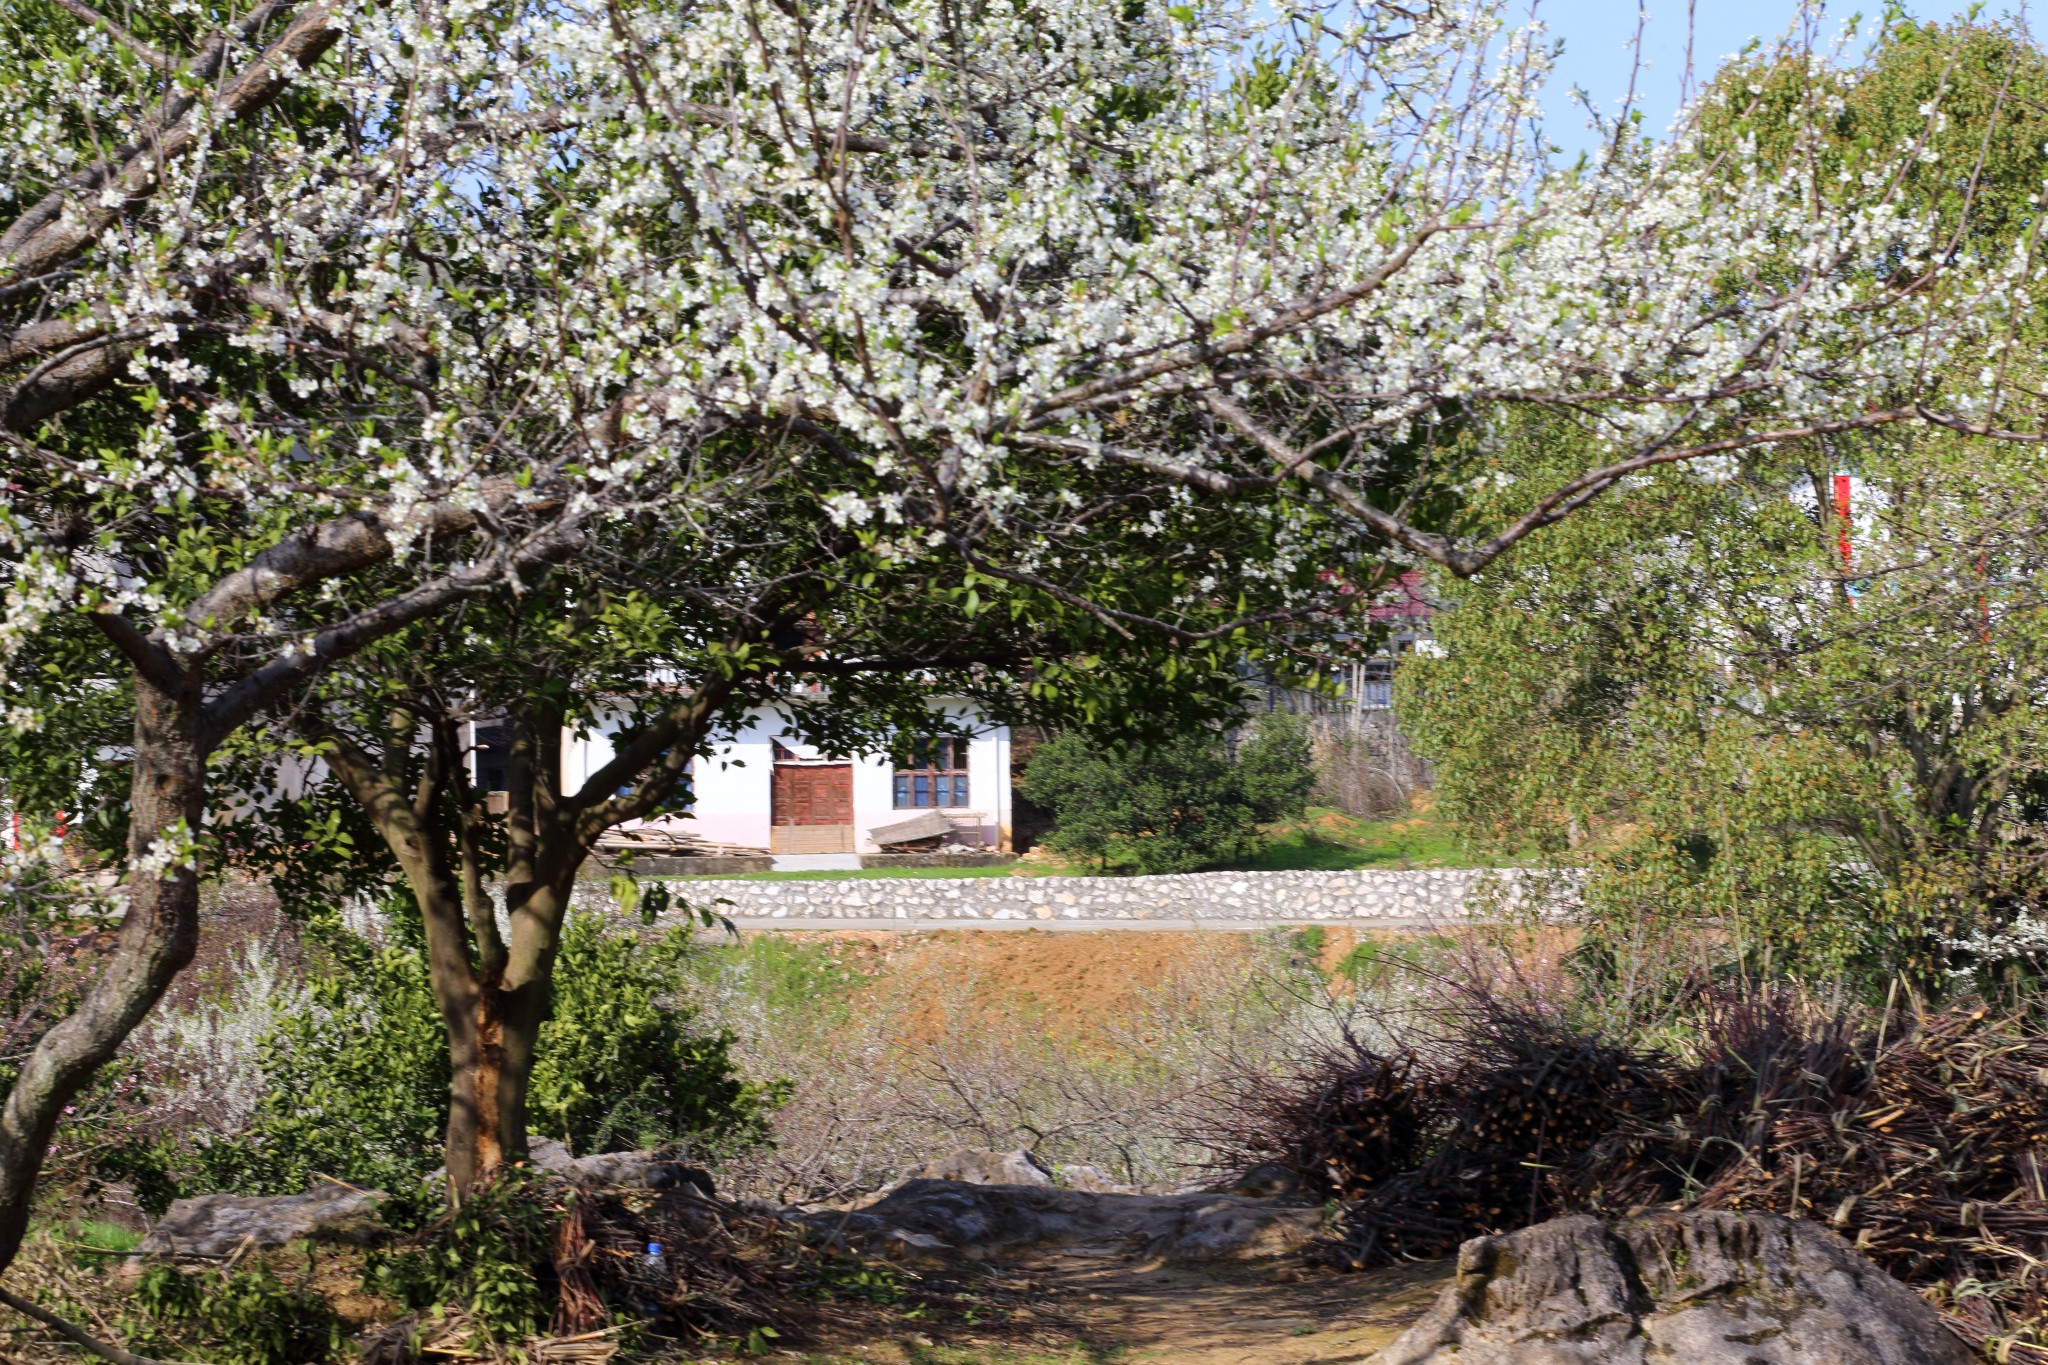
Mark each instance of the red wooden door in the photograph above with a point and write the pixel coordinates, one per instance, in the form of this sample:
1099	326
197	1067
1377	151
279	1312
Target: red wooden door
812	794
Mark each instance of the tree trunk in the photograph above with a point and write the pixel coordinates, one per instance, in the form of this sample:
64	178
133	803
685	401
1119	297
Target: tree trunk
159	933
473	1146
523	1002
476	1045
433	837
469	1142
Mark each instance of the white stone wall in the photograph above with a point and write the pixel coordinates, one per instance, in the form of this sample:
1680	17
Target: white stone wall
1282	897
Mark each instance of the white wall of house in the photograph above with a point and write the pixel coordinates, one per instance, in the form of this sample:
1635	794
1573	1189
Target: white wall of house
733	785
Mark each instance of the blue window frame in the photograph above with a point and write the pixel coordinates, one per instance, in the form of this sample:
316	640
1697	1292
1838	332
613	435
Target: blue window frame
935	776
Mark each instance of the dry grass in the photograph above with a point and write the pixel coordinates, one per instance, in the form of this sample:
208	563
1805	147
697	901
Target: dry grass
1086	1049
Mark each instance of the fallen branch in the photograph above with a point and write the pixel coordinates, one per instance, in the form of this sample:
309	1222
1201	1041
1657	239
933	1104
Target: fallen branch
77	1335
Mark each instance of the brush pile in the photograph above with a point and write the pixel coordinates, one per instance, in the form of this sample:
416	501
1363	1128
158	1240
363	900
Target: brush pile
1924	1149
684	1265
1353	1120
590	1263
1932	1167
1429	1148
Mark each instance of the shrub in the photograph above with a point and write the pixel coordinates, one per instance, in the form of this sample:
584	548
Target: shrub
620	1064
233	1318
1183	804
485	1257
356	1081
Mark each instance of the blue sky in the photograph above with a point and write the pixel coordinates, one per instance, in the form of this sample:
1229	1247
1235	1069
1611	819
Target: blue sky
1597	34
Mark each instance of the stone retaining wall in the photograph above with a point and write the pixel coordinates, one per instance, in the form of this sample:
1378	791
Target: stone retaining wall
1283	897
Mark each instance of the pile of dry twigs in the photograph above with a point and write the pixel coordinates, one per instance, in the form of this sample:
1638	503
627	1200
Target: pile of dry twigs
670	1266
1932	1166
680	1263
1919	1136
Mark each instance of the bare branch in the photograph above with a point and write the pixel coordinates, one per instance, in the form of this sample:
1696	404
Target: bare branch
1195	476
73	1333
250	693
1296	465
342	546
1562	502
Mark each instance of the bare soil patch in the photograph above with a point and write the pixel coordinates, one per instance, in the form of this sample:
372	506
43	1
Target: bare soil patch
1255	1315
1070	1309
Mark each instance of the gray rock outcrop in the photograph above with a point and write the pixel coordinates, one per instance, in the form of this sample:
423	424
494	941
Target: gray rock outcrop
1269	1180
975	1221
1093	1180
980	1166
218	1224
618	1170
1704	1288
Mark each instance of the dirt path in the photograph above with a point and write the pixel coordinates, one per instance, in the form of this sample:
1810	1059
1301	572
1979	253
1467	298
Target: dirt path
1082	1309
1244	1315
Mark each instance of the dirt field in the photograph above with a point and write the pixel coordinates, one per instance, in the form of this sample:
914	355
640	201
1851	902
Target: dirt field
1072	983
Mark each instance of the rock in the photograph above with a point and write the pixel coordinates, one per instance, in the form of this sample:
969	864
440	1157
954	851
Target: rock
1705	1288
1268	1180
1232	1229
550	1155
979	1221
980	1166
618	1170
1089	1180
216	1224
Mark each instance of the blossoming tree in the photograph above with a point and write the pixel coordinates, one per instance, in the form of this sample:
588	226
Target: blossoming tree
316	319
672	637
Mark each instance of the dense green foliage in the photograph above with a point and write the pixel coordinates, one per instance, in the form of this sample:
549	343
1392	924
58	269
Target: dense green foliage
1800	741
358	1082
1187	802
480	1255
1980	161
245	1317
1833	769
621	1066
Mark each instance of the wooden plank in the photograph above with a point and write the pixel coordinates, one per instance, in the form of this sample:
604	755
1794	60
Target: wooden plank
810	839
929	825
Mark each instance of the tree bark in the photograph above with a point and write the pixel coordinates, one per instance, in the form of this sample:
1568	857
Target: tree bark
525	997
158	936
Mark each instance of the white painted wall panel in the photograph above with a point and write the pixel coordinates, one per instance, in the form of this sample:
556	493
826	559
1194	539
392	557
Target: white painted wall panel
732	785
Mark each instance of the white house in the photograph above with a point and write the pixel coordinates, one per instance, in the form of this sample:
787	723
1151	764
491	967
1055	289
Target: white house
764	790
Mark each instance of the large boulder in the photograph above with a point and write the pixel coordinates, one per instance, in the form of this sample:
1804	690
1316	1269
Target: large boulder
618	1170
952	1219
218	1224
1706	1288
980	1166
